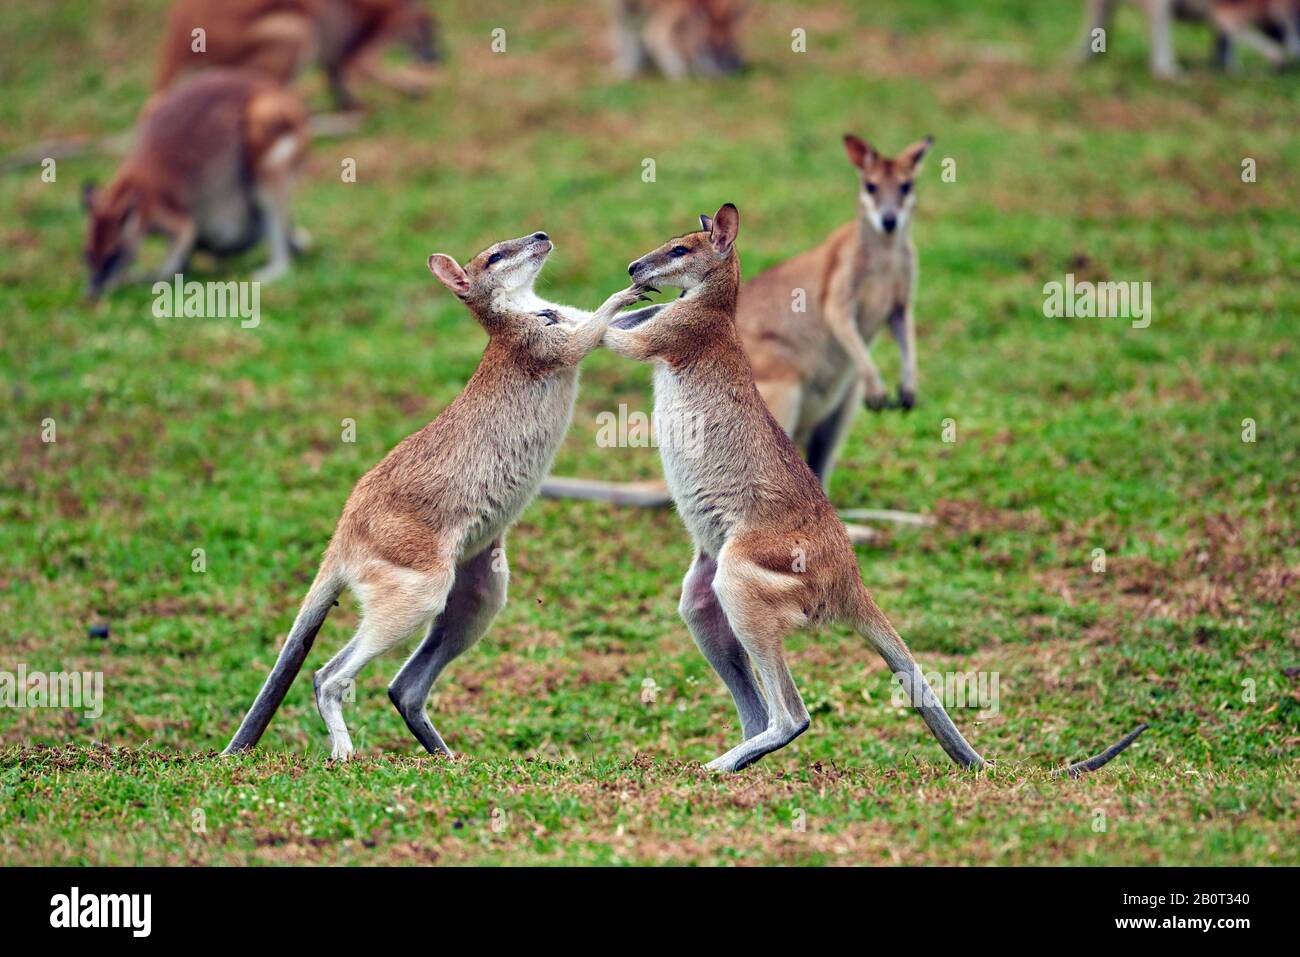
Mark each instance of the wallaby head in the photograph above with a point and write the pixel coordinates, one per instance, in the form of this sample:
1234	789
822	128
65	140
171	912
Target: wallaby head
705	266
114	231
497	286
887	189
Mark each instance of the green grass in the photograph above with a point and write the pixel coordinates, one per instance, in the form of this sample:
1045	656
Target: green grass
1072	435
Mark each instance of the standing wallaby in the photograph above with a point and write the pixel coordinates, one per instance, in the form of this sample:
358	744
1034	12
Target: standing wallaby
770	553
422	537
806	325
281	38
212	168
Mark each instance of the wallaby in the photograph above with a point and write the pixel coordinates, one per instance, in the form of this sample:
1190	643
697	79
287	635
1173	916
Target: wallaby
806	325
421	541
212	168
677	37
282	38
770	553
1272	27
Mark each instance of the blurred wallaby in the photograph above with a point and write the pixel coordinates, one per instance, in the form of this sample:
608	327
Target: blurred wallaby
807	324
771	556
1272	27
212	168
281	38
422	537
677	37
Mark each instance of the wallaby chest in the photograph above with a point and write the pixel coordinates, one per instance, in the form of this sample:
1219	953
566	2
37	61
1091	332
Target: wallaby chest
881	280
516	441
703	456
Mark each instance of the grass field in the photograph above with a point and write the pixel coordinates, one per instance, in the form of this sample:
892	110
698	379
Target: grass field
1071	435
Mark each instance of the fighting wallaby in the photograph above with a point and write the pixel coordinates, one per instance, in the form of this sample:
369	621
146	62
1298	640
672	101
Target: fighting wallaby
212	168
806	325
677	37
770	553
282	38
421	541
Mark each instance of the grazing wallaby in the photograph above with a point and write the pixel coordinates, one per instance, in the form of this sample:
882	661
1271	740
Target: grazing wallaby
422	537
212	168
677	37
281	38
771	555
1272	27
806	324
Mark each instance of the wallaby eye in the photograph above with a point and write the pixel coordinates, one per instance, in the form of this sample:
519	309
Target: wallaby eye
905	188
678	251
494	258
550	315
871	188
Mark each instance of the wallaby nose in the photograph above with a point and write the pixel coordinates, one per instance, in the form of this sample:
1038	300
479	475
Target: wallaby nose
890	222
631	269
541	237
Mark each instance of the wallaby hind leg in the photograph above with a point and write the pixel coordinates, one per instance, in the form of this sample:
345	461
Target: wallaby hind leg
829	434
761	613
784	399
396	602
1096	16
478	593
1160	25
703	614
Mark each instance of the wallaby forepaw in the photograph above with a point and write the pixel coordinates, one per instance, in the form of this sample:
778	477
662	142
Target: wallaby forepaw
621	300
906	399
877	401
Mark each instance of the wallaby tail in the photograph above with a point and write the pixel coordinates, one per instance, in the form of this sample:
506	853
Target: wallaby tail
320	599
648	494
872	624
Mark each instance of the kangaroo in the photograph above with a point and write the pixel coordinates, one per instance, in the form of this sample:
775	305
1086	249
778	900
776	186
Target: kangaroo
770	553
212	168
421	541
806	325
677	37
1272	27
282	38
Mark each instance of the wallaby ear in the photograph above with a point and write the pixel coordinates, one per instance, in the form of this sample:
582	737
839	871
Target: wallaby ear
915	153
706	222
88	189
449	273
726	224
860	152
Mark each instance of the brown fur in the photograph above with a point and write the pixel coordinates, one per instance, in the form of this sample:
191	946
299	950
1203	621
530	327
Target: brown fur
206	154
281	38
677	37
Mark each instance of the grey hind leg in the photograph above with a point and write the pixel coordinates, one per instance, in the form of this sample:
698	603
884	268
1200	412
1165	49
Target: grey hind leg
829	434
703	615
479	592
